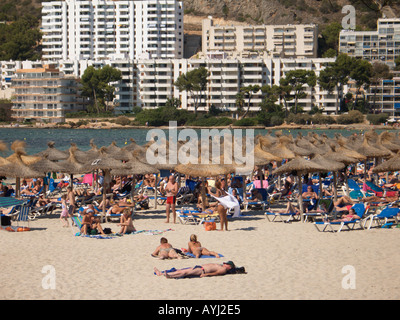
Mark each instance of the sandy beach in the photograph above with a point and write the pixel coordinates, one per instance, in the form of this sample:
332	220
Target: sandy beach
282	260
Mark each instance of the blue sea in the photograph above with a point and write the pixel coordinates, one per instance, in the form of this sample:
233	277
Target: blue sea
36	139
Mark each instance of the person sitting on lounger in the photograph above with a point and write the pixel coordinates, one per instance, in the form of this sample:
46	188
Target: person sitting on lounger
35	190
165	250
312	197
256	195
205	270
195	247
126	222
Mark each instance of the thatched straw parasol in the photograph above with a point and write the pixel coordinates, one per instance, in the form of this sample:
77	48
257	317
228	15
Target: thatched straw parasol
45	165
393	164
329	165
299	166
17	168
52	153
203	171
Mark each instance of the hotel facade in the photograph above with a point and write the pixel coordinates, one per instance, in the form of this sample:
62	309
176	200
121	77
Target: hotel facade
94	30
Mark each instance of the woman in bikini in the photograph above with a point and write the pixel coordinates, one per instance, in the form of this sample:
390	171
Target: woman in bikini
220	208
126	222
195	247
165	250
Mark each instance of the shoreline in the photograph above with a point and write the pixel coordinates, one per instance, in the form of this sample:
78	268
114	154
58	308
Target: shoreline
349	127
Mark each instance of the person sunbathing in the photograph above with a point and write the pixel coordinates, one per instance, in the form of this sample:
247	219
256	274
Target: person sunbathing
195	248
343	204
347	217
205	270
165	250
126	222
35	190
290	208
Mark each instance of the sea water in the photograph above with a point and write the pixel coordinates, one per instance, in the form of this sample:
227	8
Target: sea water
37	139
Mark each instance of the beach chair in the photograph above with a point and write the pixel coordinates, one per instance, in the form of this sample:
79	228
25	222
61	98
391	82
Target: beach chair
386	214
263	203
77	221
350	225
327	203
188	216
23	214
280	216
369	186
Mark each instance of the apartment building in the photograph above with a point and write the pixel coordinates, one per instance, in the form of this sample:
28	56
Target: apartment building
382	45
385	95
268	41
94	30
45	94
227	76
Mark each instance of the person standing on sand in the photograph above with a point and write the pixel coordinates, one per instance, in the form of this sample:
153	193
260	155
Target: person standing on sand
171	191
71	201
220	208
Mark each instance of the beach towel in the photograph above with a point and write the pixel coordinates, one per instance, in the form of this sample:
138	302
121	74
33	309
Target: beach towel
257	184
229	202
191	255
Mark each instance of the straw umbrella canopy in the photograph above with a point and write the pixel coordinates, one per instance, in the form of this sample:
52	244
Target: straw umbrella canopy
15	167
329	165
393	164
45	165
52	153
112	148
299	166
203	171
133	146
106	163
387	140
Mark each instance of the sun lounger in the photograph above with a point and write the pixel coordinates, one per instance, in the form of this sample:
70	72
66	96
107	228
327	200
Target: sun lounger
281	216
360	210
263	203
187	216
383	216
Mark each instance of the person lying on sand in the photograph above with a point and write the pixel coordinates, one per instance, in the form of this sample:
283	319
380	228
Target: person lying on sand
205	270
195	247
165	251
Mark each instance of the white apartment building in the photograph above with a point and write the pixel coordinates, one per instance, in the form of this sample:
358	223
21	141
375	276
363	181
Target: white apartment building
382	45
269	41
45	94
227	76
148	83
94	30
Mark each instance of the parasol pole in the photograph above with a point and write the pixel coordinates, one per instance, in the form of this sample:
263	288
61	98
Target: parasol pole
155	192
300	198
203	194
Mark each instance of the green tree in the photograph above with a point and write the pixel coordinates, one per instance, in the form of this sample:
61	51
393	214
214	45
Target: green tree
248	92
19	40
194	82
98	85
361	73
329	39
296	80
397	63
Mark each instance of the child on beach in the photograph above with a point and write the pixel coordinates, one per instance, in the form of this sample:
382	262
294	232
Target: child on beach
64	210
126	222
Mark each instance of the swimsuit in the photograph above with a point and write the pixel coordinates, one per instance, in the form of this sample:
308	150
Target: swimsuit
64	212
171	199
197	267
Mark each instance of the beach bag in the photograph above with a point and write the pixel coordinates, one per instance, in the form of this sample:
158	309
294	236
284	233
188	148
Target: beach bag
5	221
107	231
210	225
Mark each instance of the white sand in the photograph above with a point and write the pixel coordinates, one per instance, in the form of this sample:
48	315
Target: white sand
283	261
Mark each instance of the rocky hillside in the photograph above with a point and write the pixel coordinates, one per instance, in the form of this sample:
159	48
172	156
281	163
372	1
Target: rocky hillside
320	12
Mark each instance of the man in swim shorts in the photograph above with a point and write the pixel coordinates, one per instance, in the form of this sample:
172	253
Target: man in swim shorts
171	191
205	270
